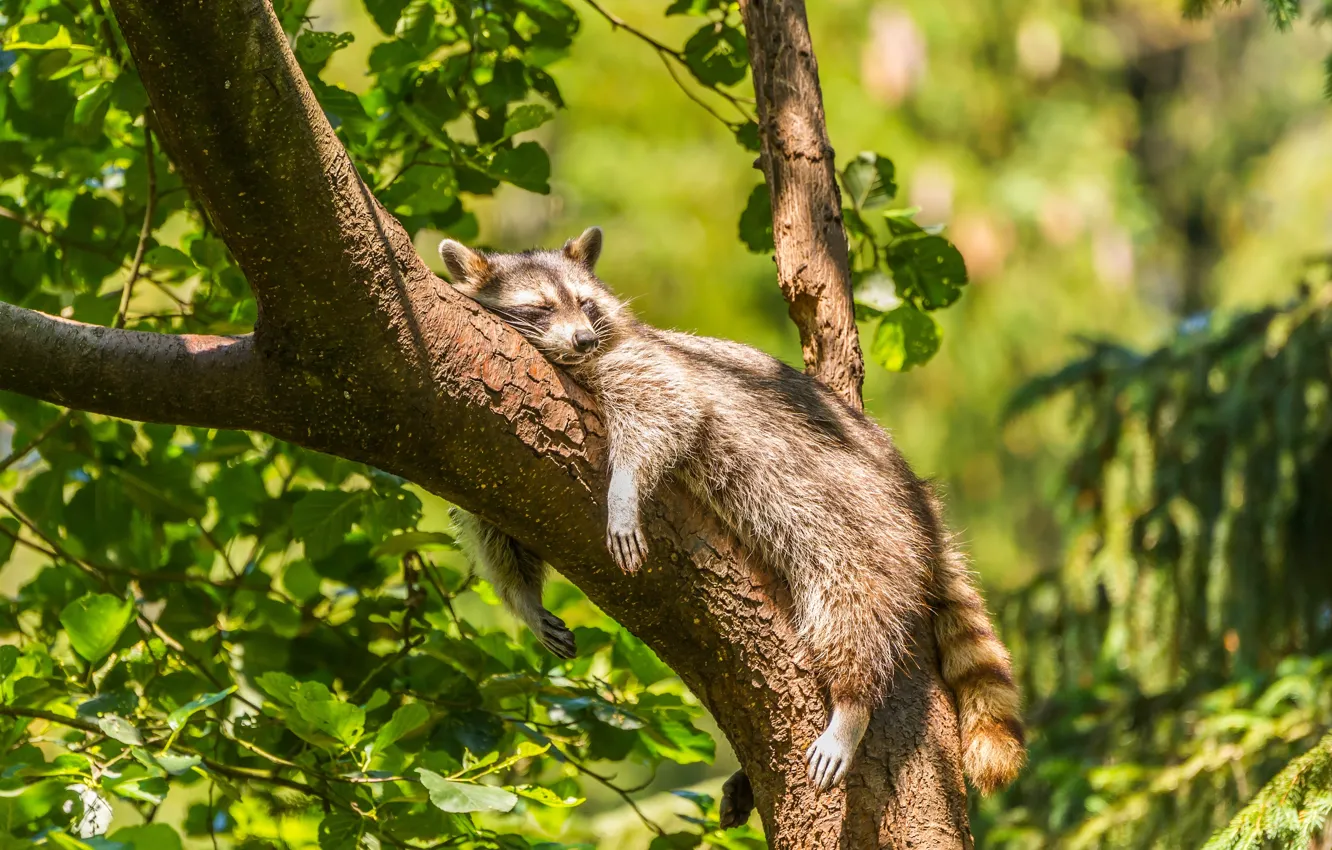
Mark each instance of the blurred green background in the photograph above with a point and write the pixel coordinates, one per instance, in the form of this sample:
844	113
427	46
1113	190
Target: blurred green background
1114	173
1108	169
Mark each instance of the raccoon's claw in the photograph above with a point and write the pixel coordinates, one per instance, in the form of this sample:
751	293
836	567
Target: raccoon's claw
829	759
628	547
556	637
737	800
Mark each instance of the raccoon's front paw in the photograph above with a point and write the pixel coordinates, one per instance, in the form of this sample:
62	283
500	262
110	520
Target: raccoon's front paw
829	758
627	545
556	637
737	800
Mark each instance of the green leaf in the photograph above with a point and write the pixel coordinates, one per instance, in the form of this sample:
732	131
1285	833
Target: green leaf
280	686
409	541
46	36
94	623
756	221
121	729
461	797
901	222
526	166
178	718
529	116
386	13
928	270
694	7
301	580
315	48
9	659
676	841
152	836
905	338
547	797
8	541
406	719
747	134
322	518
679	741
164	256
717	55
341	721
91	105
869	180
316	715
638	657
340	830
177	764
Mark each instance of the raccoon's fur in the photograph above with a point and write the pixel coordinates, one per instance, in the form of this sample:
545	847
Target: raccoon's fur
812	487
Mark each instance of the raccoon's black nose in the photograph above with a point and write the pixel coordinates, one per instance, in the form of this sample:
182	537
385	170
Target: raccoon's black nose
585	341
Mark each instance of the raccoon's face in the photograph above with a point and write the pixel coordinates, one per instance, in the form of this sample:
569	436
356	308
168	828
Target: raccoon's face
552	298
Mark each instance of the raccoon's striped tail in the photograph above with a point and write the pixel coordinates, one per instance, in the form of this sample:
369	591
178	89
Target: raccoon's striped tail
977	669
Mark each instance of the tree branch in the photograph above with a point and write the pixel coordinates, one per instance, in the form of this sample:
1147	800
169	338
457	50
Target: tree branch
246	132
210	381
360	352
798	165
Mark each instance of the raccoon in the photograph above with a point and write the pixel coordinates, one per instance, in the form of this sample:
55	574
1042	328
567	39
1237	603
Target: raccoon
812	487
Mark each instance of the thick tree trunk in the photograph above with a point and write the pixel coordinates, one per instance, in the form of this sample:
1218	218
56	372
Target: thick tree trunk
360	351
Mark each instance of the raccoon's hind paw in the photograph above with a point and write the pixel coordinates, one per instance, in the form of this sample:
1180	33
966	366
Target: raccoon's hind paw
829	757
556	637
737	800
628	547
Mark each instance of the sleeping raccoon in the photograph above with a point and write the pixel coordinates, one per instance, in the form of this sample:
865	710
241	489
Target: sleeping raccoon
812	487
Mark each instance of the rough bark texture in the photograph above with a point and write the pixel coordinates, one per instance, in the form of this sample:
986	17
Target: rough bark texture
360	351
798	164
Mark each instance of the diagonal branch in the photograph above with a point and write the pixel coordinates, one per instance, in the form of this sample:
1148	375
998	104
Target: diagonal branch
210	381
243	127
360	352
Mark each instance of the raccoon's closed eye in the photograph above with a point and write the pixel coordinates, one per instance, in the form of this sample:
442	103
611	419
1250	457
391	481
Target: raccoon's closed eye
589	306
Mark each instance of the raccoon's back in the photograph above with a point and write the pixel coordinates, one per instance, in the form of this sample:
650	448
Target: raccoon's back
793	469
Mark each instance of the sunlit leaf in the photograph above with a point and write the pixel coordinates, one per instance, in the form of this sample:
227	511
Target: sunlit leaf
459	797
94	623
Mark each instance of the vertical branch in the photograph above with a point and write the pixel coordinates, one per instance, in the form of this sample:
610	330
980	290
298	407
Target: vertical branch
150	207
797	159
909	792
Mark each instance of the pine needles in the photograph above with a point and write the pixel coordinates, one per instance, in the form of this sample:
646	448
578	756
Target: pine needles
1290	811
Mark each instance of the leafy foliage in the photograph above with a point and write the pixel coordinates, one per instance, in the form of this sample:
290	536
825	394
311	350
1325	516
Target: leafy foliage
1291	810
284	646
1171	661
901	272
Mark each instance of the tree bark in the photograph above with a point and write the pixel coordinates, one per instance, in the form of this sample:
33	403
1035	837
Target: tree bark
361	352
798	164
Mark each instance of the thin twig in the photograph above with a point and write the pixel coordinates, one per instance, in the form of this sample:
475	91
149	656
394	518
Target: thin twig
624	794
60	239
217	547
59	550
212	813
104	26
668	55
145	231
18	454
670	69
161	577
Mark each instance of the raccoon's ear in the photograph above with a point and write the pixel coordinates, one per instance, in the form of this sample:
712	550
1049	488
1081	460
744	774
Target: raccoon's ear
467	268
586	249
